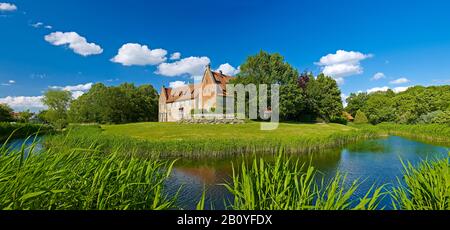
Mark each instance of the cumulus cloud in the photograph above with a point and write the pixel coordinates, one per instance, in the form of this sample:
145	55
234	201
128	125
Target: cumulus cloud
344	99
80	87
400	81
177	84
4	6
141	55
386	88
77	94
192	66
228	69
400	89
22	103
378	76
378	89
75	42
175	56
343	64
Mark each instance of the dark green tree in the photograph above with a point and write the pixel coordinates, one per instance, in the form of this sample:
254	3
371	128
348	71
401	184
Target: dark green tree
323	98
356	102
57	102
5	113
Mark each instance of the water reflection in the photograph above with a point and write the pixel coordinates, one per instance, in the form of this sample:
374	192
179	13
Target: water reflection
374	161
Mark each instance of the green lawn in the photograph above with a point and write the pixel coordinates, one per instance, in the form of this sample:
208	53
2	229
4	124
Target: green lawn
248	131
214	140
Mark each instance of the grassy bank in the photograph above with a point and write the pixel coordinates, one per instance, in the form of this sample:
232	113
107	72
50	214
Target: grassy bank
19	130
174	140
433	133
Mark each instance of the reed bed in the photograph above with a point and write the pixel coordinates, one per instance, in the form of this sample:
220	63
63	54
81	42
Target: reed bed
426	187
433	133
287	185
20	130
81	179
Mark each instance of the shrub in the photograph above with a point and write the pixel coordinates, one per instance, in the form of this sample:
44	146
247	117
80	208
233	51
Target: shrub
361	118
339	120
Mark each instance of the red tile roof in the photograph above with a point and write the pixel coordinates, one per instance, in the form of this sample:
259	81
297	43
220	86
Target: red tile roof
183	92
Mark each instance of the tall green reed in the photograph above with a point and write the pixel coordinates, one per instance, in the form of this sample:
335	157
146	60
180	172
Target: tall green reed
287	185
426	187
82	179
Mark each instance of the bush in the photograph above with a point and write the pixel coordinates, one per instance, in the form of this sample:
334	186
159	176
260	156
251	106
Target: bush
339	120
361	118
436	117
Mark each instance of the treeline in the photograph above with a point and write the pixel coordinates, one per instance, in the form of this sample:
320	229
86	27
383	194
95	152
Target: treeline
417	105
125	103
303	97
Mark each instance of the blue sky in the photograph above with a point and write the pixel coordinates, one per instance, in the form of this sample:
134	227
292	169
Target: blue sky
70	44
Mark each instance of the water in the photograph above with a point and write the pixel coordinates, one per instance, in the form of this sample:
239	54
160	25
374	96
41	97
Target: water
375	161
17	144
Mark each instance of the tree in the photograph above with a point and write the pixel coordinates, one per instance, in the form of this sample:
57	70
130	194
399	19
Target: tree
324	98
122	104
356	102
5	113
361	118
57	103
25	116
265	68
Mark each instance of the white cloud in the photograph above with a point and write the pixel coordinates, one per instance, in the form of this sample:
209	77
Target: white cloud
386	88
75	42
40	25
378	76
135	54
177	84
77	94
378	89
4	6
343	64
23	103
175	56
80	87
37	24
9	83
344	99
400	89
228	69
193	66
400	81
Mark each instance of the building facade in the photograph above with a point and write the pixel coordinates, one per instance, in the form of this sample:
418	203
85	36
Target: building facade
200	99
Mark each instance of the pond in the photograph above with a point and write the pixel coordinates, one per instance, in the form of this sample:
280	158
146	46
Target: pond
374	161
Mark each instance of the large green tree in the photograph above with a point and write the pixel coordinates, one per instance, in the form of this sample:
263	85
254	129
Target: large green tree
266	68
324	98
356	102
57	102
5	113
122	104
